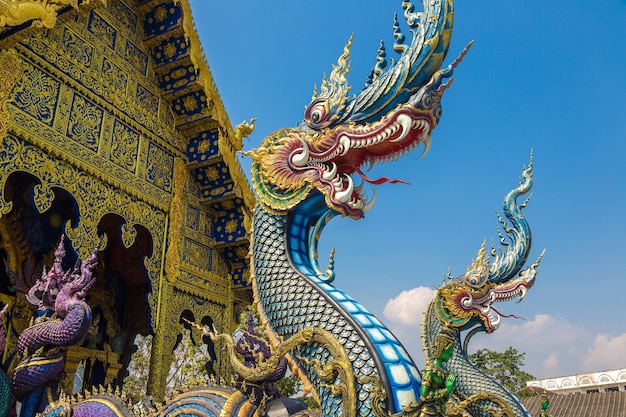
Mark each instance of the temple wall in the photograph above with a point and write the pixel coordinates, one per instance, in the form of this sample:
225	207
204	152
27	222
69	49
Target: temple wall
83	110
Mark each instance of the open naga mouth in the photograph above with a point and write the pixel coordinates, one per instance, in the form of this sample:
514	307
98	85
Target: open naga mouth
344	135
482	305
352	149
469	299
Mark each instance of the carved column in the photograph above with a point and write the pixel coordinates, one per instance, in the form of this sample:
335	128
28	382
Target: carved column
229	321
162	342
174	239
158	360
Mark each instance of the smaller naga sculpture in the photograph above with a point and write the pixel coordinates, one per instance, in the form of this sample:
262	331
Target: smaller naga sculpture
252	348
62	319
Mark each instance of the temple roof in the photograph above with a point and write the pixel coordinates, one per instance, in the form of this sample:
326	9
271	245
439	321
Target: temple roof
179	68
599	404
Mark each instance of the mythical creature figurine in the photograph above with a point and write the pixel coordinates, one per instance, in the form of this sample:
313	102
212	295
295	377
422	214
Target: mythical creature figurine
545	403
254	348
437	382
62	319
303	178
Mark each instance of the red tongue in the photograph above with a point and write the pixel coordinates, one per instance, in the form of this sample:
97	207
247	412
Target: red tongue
379	180
508	315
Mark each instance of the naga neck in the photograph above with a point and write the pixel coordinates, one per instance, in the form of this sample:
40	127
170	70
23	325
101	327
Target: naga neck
470	380
293	293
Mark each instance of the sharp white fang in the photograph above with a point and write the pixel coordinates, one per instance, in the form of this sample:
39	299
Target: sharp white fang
426	140
300	157
344	145
406	122
368	205
344	196
329	175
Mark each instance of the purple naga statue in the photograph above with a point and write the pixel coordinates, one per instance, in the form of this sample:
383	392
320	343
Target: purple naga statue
62	319
253	348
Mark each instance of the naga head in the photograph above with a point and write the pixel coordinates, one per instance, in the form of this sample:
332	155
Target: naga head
394	113
76	283
468	300
44	291
57	289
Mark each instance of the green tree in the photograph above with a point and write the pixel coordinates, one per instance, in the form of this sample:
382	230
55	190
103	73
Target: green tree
289	386
187	368
505	367
136	381
310	402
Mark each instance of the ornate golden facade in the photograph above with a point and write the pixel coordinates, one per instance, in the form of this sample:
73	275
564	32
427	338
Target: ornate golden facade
111	125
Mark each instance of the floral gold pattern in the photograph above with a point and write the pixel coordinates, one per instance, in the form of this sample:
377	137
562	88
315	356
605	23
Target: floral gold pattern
10	68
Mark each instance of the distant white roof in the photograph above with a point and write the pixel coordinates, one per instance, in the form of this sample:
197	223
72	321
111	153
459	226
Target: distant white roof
572	383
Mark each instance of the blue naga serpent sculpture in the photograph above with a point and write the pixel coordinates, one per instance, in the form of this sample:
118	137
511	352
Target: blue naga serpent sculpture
303	178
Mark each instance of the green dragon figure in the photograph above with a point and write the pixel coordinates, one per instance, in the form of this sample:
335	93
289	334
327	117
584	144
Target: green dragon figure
303	179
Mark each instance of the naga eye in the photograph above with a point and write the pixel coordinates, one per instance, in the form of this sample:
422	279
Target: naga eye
474	280
316	116
316	113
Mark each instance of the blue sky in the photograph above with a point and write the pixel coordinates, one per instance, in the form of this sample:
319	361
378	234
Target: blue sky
546	76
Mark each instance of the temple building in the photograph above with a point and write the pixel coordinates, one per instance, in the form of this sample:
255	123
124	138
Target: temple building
588	383
113	131
598	394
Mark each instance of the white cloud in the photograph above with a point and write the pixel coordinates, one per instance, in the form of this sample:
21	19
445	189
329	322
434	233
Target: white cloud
408	307
551	365
405	313
543	330
552	345
605	353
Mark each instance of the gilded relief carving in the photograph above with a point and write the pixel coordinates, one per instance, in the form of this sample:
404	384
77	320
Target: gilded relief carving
160	166
42	13
96	81
136	57
85	123
124	146
124	15
79	51
192	217
147	99
102	29
172	257
89	114
37	93
95	199
10	68
197	255
114	76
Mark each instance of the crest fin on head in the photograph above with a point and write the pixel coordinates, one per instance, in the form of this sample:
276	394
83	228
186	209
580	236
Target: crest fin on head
480	264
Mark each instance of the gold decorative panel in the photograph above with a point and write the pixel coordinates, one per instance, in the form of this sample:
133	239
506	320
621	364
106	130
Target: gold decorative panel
85	123
37	93
124	145
102	29
95	199
78	51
